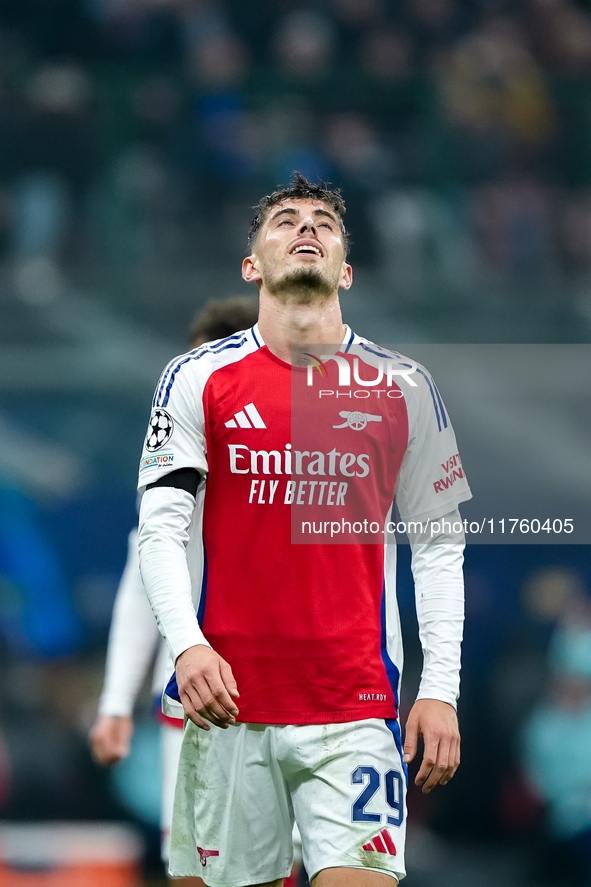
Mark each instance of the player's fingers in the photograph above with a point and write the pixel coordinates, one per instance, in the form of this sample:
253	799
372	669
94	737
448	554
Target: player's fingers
211	691
429	761
197	698
192	702
427	765
198	721
230	684
411	739
200	677
453	757
222	703
195	710
441	768
454	760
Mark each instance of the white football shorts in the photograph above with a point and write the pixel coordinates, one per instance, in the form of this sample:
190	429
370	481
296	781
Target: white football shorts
171	738
239	790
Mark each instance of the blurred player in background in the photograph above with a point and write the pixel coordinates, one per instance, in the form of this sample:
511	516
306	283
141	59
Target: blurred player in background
289	673
134	639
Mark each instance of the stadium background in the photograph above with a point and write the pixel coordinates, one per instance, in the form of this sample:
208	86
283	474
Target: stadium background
134	137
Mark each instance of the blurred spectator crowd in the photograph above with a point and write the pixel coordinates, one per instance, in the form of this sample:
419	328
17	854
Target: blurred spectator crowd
140	131
135	135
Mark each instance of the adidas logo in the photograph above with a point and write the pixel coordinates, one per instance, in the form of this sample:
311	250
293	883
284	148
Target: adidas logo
249	417
383	843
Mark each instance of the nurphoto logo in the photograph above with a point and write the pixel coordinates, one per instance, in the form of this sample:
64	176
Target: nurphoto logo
386	370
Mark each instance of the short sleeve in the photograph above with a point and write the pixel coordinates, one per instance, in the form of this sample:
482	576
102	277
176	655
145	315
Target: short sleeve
431	481
176	430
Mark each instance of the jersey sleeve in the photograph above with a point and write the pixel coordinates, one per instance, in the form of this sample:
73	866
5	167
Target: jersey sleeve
175	437
166	518
439	593
431	481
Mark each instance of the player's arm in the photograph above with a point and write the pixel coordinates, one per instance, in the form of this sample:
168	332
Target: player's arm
206	685
133	637
439	590
430	486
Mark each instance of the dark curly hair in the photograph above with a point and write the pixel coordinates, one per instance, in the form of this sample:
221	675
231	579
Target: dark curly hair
222	317
300	189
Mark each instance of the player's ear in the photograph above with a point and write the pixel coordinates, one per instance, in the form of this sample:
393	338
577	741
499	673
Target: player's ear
250	270
346	276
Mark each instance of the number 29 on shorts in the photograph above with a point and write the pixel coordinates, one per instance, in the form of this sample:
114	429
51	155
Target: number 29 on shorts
372	781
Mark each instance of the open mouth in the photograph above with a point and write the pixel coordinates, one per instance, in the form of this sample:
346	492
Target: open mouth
306	249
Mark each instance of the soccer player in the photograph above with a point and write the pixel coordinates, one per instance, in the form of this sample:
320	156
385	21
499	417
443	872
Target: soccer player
289	671
134	637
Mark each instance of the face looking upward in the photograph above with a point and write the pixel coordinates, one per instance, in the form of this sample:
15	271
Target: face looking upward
299	253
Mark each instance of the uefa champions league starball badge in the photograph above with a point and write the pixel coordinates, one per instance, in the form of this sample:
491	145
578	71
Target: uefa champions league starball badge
160	428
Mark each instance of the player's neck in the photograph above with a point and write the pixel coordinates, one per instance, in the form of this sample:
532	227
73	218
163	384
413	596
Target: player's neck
285	324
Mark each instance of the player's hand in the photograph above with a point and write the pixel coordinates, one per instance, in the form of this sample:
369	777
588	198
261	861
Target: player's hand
207	687
110	737
437	723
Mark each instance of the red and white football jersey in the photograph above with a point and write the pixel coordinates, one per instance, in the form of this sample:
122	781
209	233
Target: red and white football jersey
294	581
